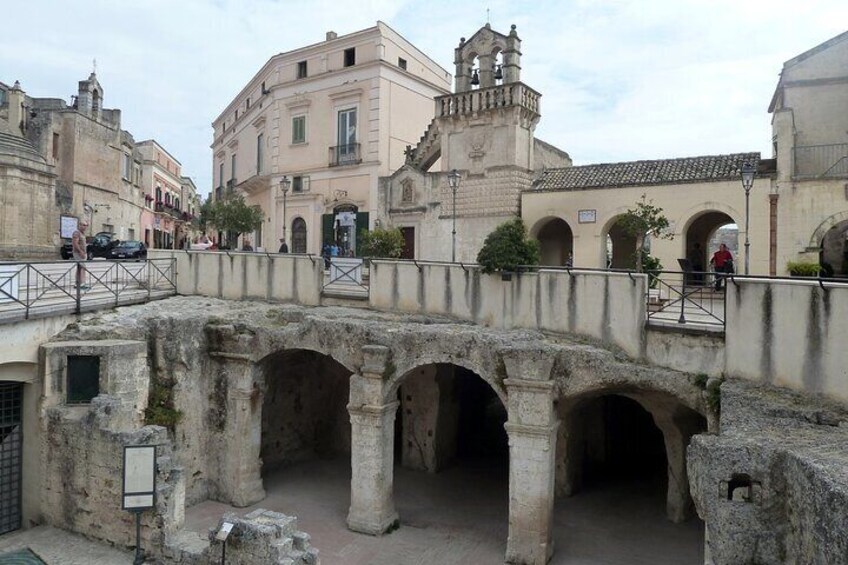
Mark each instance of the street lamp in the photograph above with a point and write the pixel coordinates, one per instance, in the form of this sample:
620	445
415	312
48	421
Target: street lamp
285	183
453	181
748	173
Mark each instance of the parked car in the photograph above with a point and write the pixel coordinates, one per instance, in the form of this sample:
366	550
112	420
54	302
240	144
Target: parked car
101	244
129	250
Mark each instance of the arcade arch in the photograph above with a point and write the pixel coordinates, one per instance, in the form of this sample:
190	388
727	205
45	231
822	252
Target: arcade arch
556	241
704	232
619	246
620	438
304	408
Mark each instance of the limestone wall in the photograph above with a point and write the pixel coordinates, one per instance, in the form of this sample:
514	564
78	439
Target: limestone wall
235	275
789	333
605	306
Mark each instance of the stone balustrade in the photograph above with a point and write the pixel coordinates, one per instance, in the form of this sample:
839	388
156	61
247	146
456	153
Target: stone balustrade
484	99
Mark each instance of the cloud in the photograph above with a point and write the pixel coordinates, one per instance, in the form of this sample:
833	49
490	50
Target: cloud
620	80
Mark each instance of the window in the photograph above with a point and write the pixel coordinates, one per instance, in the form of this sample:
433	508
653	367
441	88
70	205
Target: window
299	129
55	145
233	168
224	128
350	57
301	69
221	173
264	91
127	170
83	378
346	150
260	142
236	114
248	103
300	184
402	63
130	234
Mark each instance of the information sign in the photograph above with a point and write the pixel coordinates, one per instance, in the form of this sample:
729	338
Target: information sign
139	477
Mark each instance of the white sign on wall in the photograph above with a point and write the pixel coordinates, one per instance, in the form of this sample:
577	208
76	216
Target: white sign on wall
587	216
67	226
139	477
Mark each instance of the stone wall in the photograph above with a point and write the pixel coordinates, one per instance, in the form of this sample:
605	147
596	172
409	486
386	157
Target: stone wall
789	333
606	306
304	412
236	275
772	486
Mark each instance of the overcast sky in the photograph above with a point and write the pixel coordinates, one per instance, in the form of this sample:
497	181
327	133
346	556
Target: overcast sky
620	80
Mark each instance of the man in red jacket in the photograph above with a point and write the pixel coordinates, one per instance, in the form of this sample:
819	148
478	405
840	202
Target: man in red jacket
722	262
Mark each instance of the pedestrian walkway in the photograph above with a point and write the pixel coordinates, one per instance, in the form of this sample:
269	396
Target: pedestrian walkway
53	546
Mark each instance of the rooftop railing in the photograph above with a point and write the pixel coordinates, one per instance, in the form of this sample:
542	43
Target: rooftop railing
821	161
501	96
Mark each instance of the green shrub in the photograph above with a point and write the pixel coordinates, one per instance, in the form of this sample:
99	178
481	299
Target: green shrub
803	269
507	247
650	264
386	243
160	409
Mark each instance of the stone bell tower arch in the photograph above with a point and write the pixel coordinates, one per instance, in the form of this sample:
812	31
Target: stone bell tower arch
484	130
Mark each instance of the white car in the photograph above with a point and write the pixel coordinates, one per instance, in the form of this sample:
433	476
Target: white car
201	246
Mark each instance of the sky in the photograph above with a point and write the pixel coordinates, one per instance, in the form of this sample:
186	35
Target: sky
621	80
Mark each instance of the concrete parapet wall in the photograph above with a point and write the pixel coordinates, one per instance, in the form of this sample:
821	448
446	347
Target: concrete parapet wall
235	275
605	306
789	333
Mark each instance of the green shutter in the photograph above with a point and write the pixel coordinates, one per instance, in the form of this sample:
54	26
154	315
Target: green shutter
327	229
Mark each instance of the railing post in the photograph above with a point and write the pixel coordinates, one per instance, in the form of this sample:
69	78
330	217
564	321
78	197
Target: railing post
80	275
26	312
682	319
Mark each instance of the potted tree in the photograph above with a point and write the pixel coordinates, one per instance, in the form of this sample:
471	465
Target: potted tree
507	248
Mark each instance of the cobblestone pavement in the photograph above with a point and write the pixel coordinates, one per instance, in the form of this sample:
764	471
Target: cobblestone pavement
459	516
58	547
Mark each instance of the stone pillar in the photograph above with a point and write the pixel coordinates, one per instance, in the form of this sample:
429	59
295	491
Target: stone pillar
462	76
678	502
512	58
241	466
532	430
372	418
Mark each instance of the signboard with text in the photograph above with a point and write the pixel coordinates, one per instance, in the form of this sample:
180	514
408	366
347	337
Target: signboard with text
587	216
67	226
139	491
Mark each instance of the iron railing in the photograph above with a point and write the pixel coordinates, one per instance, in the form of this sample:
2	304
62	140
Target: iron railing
695	298
346	277
42	289
345	155
821	161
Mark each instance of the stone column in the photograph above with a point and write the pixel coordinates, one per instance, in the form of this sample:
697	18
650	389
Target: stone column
372	418
678	503
241	467
532	430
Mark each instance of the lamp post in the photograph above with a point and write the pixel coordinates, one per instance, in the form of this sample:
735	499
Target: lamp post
748	173
285	183
453	181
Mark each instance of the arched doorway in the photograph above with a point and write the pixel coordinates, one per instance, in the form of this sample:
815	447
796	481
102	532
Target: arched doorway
621	459
298	236
705	234
452	453
619	247
833	256
305	428
556	242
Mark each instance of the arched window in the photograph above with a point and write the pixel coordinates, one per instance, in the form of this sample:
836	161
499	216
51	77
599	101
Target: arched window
298	236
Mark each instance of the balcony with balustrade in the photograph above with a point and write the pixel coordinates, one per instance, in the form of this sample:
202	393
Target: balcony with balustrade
484	99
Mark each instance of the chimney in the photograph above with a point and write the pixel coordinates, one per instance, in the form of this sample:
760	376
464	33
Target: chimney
331	35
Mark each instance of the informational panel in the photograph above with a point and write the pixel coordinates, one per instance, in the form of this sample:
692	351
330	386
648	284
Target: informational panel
587	216
139	477
67	226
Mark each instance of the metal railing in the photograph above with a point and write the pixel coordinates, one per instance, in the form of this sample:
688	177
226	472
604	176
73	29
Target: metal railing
821	161
695	298
43	289
347	277
345	155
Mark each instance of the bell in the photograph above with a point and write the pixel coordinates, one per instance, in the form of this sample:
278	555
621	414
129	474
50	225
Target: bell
499	73
475	78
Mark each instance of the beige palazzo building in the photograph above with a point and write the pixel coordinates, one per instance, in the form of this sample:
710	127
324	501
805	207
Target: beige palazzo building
330	118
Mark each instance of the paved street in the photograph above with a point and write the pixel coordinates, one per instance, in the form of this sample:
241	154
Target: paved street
460	517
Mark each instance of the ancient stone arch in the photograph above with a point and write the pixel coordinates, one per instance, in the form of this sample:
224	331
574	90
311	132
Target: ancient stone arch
824	227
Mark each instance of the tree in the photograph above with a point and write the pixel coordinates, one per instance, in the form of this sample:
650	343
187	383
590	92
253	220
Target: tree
507	247
381	243
641	221
234	216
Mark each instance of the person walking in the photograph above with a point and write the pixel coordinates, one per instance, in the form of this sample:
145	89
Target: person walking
722	262
284	248
78	245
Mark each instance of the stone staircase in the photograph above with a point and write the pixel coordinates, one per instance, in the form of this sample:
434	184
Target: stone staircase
428	150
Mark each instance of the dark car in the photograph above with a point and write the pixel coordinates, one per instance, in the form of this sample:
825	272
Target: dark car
129	250
101	244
